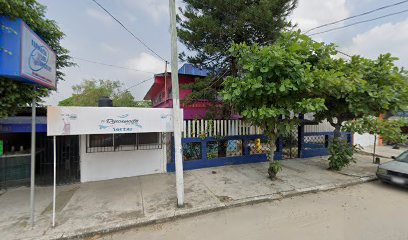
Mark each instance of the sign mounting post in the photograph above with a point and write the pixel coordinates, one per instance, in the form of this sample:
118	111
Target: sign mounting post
25	57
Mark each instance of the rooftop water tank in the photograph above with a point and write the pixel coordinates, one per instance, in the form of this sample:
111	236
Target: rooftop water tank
105	102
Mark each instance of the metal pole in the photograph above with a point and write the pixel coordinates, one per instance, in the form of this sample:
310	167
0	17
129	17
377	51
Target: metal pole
55	181
375	143
176	107
165	82
32	180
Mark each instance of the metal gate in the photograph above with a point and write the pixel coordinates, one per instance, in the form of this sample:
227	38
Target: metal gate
15	168
290	145
68	160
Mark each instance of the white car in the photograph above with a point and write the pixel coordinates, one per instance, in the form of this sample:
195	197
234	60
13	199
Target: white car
396	171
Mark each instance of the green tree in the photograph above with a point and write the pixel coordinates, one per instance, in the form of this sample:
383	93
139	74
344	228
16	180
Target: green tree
90	91
15	94
360	87
356	88
275	83
208	28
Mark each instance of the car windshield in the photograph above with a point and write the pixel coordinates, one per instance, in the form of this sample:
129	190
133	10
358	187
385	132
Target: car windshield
403	157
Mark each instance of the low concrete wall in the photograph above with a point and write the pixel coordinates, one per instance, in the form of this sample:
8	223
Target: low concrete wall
364	139
110	165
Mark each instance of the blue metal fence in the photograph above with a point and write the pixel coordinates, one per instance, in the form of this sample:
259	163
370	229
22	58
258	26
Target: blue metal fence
201	153
316	143
205	152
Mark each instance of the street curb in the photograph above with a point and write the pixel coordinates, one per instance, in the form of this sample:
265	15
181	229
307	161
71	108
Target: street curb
185	213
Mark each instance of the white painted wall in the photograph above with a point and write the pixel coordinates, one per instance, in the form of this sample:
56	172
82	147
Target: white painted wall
324	126
364	139
110	165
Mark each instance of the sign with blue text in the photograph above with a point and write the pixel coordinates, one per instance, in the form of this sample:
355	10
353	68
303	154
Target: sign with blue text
106	120
24	56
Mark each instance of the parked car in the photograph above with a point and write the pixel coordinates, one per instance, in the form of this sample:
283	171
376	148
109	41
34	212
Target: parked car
396	171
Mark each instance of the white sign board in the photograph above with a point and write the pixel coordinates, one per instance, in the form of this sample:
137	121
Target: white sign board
106	120
38	61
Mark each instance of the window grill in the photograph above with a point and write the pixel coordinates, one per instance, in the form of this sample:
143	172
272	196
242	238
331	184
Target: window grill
123	142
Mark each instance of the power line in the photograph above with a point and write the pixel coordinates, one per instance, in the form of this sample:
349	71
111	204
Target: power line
369	20
343	53
358	15
137	84
137	38
111	65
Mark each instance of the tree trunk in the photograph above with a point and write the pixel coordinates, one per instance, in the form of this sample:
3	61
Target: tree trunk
272	146
337	133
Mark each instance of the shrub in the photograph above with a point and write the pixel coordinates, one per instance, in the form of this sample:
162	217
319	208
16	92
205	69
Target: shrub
275	166
341	154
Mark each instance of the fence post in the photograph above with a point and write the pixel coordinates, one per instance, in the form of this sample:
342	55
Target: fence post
349	138
301	135
245	147
279	149
184	128
204	149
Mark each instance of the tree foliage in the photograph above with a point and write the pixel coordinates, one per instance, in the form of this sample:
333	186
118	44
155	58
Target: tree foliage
209	28
297	75
15	94
275	83
361	87
90	91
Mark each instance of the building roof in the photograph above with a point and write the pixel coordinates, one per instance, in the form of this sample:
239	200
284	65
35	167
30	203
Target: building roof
189	69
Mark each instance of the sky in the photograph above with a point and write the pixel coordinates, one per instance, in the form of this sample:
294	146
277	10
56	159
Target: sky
93	35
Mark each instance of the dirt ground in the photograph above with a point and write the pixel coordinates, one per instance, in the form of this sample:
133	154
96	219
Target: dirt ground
367	211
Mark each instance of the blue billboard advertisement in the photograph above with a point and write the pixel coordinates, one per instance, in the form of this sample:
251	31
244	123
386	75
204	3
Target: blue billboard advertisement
24	56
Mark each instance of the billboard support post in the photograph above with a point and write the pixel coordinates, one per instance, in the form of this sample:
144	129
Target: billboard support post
32	177
54	189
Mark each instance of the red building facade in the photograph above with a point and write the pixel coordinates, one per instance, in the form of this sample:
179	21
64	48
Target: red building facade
160	93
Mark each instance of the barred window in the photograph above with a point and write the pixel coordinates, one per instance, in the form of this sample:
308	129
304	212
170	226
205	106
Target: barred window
123	142
150	140
100	142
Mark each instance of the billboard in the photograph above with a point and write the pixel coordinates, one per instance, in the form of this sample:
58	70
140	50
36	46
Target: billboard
24	56
107	120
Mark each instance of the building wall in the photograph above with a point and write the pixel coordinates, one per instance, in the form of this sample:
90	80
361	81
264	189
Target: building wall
364	139
110	165
324	126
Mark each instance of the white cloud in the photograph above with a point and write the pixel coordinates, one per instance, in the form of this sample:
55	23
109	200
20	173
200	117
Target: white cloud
385	38
157	9
146	62
312	13
99	15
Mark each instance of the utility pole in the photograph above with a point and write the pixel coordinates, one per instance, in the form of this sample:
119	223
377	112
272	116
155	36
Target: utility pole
177	118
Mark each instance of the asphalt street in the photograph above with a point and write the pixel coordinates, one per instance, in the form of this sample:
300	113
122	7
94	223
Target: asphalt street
366	211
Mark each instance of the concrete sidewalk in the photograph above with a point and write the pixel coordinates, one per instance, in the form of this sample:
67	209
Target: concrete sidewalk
384	151
98	207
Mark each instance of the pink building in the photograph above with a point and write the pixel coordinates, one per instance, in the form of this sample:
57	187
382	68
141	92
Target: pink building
161	91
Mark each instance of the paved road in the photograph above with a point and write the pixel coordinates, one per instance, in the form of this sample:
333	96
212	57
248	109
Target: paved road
368	211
